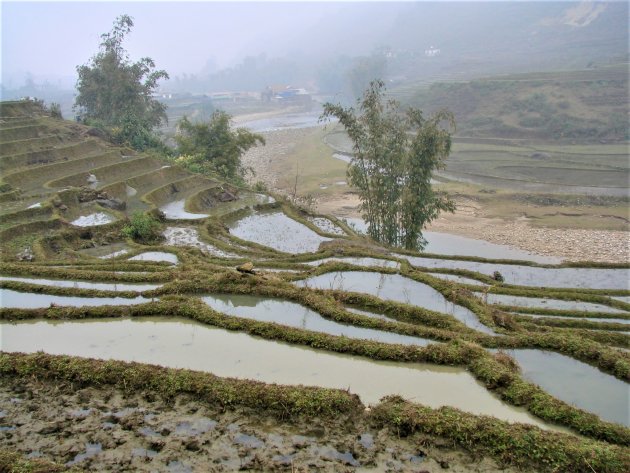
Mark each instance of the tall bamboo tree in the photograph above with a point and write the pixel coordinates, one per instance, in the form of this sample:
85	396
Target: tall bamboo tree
395	155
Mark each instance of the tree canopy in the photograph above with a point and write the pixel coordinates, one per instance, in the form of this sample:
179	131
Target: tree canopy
395	155
115	93
213	147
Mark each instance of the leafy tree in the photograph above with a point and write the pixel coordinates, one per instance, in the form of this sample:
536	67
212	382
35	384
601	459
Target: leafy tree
116	94
395	155
213	147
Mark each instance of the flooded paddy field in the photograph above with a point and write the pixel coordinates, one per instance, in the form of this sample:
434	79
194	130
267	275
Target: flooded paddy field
397	288
586	278
295	315
456	245
181	344
84	284
278	231
381	263
293	356
156	256
537	302
576	383
187	236
25	300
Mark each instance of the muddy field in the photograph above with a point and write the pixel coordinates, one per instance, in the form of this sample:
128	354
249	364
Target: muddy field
105	430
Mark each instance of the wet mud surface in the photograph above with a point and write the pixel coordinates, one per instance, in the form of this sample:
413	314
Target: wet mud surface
106	430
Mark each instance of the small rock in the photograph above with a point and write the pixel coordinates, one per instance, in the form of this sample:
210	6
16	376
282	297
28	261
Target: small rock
226	196
113	203
192	445
246	268
25	255
50	429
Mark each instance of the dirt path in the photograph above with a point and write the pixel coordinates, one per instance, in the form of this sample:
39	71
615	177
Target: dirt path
106	430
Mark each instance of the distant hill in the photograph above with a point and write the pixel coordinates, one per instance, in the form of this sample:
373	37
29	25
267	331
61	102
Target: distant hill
583	105
495	37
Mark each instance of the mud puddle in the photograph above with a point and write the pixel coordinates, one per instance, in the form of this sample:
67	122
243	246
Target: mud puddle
190	435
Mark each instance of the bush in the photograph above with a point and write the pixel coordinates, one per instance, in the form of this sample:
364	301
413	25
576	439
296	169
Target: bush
259	186
55	110
142	228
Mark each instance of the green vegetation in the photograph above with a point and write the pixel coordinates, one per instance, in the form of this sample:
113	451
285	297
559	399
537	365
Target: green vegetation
391	170
115	94
58	249
585	106
142	228
213	148
516	445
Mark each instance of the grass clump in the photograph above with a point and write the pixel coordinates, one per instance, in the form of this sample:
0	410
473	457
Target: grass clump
517	445
281	401
142	228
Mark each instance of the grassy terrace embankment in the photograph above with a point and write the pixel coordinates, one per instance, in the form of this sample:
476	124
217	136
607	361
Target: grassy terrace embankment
58	251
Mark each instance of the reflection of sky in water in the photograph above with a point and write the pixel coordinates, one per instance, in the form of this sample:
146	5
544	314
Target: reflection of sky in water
593	278
397	288
296	315
544	303
184	344
277	231
26	300
576	383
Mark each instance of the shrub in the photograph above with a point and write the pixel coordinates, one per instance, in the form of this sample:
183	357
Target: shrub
55	110
142	228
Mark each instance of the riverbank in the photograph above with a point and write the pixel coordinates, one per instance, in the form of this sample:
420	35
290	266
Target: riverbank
571	244
276	165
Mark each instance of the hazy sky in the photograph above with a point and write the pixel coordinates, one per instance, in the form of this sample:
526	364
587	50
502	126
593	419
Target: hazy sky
52	38
49	39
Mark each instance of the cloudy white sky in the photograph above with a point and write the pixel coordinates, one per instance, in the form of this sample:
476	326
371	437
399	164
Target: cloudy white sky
51	38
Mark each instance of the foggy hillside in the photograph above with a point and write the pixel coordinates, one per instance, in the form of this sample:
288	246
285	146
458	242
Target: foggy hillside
473	39
317	45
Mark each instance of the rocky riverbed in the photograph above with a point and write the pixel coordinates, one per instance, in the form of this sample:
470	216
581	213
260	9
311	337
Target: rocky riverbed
469	220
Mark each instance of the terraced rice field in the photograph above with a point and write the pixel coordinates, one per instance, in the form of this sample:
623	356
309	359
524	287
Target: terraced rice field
315	331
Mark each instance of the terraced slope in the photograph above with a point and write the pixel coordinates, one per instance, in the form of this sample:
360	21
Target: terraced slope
44	162
501	363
